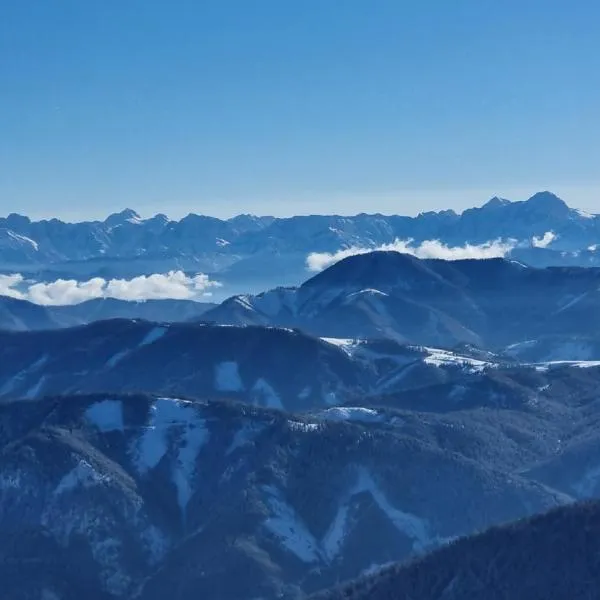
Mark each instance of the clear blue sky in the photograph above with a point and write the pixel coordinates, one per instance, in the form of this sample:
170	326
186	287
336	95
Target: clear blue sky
295	106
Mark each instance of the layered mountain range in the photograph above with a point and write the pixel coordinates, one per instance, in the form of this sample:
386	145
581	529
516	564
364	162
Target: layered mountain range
260	252
275	368
131	496
301	463
498	305
279	444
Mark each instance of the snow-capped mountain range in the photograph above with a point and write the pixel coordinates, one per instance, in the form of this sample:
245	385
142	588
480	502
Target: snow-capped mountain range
260	252
280	443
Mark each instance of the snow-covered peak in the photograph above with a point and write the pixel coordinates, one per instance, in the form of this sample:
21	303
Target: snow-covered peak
125	216
496	202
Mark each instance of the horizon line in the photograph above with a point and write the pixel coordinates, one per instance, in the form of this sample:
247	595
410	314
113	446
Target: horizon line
136	215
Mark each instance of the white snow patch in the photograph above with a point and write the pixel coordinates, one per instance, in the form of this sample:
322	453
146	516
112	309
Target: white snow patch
244	301
10	385
34	390
519	264
153	335
330	398
412	526
350	413
305	393
334	538
156	543
227	377
397	377
368	292
151	446
440	358
23	239
573	300
375	568
83	475
114	360
168	414
457	393
195	436
305	427
587	485
513	349
581	364
346	344
264	395
289	528
244	436
340	342
106	415
583	214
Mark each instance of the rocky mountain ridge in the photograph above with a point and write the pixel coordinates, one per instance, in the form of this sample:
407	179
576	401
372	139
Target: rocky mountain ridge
240	249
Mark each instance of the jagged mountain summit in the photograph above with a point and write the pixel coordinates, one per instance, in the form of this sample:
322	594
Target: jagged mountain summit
263	251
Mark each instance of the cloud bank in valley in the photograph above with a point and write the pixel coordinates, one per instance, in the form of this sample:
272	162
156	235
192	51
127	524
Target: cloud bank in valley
317	261
174	285
543	241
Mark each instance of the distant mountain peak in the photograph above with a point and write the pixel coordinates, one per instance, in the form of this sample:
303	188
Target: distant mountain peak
17	220
496	202
159	218
125	216
547	201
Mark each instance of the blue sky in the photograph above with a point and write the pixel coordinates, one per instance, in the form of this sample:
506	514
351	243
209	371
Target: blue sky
283	106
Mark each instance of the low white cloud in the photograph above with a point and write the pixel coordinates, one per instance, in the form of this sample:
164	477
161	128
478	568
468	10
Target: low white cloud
543	241
173	285
8	283
317	261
